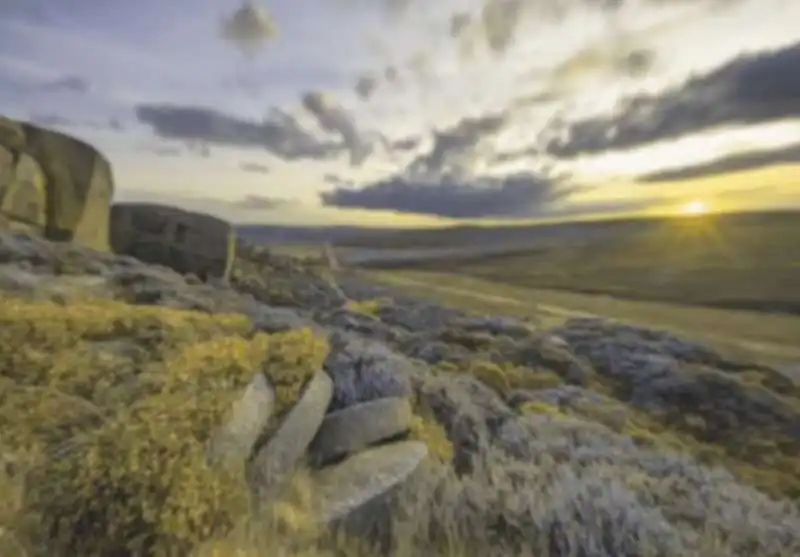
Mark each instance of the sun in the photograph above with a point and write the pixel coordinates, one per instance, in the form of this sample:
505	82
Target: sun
695	208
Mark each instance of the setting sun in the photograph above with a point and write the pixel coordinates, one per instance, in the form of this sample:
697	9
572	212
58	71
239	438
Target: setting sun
696	207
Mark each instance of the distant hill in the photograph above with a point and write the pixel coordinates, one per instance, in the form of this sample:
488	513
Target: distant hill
512	235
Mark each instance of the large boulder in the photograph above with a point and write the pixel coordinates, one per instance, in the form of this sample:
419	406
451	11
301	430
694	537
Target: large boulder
185	241
54	185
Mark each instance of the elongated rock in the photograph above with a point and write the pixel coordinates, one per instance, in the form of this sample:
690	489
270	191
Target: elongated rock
349	430
274	462
234	440
364	477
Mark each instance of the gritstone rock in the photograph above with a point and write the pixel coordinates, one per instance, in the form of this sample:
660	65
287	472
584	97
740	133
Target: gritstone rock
235	439
53	184
188	242
347	431
273	462
361	478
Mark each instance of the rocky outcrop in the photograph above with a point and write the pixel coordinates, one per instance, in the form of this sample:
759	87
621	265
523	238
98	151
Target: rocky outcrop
187	242
53	184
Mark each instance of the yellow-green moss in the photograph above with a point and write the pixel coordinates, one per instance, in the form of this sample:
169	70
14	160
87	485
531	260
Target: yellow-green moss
490	375
505	378
290	360
542	408
114	441
370	308
431	432
532	379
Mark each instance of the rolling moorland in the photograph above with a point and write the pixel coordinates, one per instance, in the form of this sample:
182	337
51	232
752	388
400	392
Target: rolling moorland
545	434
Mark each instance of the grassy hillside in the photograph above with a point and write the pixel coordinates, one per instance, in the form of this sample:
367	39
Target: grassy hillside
106	409
739	261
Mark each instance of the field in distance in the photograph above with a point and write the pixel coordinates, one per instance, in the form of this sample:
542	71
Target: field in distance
746	261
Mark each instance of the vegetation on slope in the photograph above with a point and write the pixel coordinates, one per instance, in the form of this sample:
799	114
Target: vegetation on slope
105	409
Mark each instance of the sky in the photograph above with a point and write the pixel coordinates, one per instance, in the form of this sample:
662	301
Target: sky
418	113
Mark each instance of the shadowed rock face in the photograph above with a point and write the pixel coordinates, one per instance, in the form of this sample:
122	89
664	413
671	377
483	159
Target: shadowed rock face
54	185
187	242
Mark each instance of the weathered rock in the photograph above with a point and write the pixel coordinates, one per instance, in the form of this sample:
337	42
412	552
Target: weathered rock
347	431
53	184
364	370
276	319
273	462
234	440
68	288
185	241
345	487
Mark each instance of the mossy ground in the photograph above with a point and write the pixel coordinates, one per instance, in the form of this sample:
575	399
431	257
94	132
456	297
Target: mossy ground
105	409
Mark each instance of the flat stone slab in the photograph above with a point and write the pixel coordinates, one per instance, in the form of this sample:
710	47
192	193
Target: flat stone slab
365	477
275	461
352	429
233	441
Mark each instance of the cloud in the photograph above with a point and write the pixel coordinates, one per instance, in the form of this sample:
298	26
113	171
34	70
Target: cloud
249	27
334	179
333	118
459	23
405	144
754	88
261	203
454	149
390	74
255	167
58	121
52	120
280	133
519	195
732	163
163	150
615	59
71	83
365	86
500	20
199	148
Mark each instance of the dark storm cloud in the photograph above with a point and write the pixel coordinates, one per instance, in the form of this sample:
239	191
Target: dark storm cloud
255	168
732	163
752	89
519	195
280	133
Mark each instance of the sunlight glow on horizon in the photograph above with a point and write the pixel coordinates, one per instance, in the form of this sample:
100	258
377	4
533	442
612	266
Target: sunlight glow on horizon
695	208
